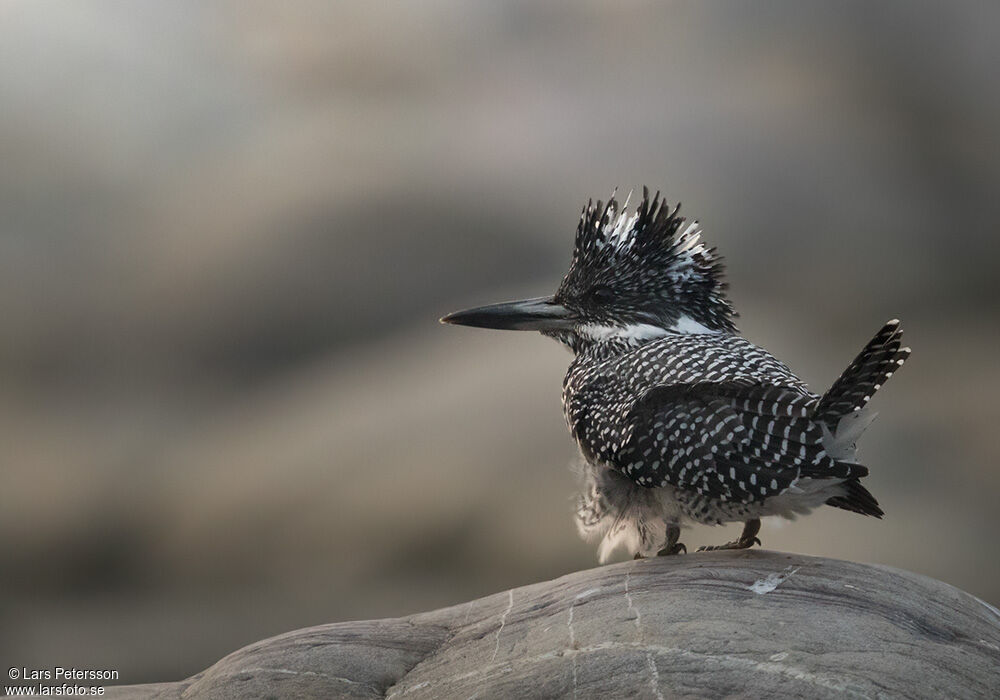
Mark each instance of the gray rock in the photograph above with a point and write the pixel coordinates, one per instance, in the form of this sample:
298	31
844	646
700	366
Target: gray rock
724	624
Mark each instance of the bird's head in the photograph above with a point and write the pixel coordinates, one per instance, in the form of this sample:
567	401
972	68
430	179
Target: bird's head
634	276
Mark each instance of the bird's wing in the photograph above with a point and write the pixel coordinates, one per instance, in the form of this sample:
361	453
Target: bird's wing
740	441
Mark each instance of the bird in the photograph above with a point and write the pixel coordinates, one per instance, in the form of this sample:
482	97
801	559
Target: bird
679	419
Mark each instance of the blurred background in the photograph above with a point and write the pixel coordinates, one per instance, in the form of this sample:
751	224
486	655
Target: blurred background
228	230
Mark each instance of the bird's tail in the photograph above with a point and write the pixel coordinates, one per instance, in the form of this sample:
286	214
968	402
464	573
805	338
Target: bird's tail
841	411
870	370
857	499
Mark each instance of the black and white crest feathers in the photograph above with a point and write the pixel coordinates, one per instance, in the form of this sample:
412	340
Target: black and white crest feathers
650	265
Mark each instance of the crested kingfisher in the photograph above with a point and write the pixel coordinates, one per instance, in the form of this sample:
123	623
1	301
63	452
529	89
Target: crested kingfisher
678	418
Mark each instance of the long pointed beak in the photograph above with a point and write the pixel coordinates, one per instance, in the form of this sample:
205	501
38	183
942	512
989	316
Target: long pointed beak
541	314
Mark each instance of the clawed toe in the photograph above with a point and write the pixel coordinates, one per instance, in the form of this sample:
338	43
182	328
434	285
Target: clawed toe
737	544
675	548
747	539
717	547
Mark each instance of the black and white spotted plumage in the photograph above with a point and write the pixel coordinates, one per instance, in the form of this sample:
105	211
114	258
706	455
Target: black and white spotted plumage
715	418
677	417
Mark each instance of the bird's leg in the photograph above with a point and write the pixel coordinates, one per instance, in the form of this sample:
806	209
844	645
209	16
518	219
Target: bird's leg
747	539
672	546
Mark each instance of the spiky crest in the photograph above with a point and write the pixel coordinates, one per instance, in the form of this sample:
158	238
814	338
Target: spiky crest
653	265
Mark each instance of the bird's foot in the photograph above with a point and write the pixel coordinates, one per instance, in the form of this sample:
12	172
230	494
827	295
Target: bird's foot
736	544
748	538
675	548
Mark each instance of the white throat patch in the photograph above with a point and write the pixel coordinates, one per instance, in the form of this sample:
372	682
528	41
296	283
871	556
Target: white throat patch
638	332
686	324
632	332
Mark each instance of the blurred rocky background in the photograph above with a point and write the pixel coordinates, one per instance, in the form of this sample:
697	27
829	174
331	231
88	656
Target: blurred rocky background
227	231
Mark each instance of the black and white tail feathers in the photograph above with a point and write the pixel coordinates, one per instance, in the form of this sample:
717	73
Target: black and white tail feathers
870	370
842	405
857	499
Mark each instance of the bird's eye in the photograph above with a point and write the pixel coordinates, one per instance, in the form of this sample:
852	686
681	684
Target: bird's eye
601	294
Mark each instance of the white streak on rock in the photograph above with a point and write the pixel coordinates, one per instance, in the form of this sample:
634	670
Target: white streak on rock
766	585
569	624
631	605
572	641
728	661
572	632
503	621
654	673
654	680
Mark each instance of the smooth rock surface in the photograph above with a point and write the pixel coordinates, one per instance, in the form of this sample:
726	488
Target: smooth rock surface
748	624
